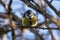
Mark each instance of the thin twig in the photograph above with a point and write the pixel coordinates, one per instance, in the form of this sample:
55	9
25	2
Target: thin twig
37	34
52	7
51	1
39	27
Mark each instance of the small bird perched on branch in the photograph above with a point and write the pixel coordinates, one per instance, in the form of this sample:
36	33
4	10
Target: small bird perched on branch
29	19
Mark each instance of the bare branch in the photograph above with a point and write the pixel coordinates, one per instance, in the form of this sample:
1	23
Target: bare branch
39	2
51	1
37	34
42	12
9	7
52	7
39	27
4	5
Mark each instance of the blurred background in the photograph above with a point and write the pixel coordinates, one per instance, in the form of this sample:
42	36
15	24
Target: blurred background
48	21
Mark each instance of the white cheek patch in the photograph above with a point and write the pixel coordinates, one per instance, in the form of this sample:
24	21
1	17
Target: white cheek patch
26	16
32	16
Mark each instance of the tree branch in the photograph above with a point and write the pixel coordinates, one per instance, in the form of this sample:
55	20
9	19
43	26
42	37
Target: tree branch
52	7
41	11
37	34
51	1
39	27
4	5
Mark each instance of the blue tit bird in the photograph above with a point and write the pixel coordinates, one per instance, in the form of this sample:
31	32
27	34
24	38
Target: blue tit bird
29	19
